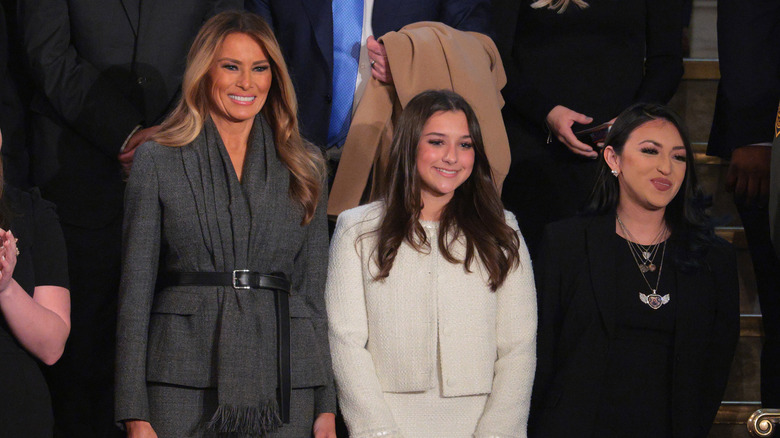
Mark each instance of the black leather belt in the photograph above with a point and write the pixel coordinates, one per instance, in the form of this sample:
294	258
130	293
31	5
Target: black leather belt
244	279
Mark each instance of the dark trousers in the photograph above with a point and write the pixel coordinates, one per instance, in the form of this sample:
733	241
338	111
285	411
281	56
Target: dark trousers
82	382
766	266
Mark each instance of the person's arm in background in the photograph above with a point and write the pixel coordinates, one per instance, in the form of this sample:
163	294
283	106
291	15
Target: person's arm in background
522	96
86	100
748	93
663	51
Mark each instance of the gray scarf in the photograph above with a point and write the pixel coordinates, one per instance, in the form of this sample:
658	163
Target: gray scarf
246	344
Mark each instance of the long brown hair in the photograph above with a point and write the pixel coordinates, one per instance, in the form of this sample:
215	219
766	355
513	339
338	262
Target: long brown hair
475	211
303	160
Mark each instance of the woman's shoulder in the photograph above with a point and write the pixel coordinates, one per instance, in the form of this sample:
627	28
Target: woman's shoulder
365	214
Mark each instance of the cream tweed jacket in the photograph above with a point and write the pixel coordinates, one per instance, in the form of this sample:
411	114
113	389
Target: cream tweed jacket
384	334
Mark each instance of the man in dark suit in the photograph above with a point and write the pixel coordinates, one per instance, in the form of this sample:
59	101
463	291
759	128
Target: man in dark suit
742	131
106	72
305	31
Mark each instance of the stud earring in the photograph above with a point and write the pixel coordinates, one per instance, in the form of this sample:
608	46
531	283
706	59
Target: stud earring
615	173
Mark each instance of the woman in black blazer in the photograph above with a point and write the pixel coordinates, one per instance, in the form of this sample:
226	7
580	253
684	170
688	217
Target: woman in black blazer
638	299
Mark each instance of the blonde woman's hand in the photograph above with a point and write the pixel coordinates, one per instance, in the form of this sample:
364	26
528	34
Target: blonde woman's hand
560	120
325	426
8	254
139	429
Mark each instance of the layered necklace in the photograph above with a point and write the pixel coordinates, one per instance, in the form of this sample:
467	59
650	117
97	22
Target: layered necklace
644	256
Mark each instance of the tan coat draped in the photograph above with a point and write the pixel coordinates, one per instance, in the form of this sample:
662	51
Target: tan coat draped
424	56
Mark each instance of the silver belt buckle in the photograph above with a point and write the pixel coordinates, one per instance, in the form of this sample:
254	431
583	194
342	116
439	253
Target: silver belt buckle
235	279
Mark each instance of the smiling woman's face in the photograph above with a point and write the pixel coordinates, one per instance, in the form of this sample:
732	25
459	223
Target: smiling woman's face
240	78
445	155
651	165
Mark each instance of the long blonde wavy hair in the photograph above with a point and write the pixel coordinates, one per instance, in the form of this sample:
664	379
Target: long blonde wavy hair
182	126
560	5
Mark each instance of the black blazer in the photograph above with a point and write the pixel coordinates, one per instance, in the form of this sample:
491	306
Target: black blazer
575	287
305	32
101	67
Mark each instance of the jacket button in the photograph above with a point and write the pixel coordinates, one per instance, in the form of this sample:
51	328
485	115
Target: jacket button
141	80
328	98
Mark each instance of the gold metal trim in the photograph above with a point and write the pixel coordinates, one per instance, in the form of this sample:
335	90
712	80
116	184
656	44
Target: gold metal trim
763	422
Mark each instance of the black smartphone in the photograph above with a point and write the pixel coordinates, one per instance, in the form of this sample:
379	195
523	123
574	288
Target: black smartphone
594	136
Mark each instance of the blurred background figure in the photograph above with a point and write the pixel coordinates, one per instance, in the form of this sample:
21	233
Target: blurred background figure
571	65
105	73
742	132
332	51
34	309
638	299
12	110
227	184
430	295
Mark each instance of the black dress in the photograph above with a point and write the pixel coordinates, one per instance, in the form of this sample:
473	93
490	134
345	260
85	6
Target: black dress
596	61
636	401
25	404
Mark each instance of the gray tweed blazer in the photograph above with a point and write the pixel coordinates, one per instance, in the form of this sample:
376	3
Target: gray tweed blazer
168	335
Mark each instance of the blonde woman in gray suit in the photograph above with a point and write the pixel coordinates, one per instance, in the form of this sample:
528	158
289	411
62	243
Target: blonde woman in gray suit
225	250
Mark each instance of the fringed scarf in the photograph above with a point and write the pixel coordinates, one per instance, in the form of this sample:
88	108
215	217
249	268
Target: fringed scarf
246	345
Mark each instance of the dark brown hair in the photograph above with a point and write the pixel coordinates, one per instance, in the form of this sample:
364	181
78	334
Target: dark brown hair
686	215
475	211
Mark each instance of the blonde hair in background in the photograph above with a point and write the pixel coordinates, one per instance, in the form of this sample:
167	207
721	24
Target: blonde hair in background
182	126
561	5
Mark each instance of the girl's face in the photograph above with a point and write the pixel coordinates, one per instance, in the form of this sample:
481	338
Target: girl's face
445	156
651	166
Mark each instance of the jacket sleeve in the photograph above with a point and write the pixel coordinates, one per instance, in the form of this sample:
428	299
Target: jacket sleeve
520	93
663	51
506	410
140	258
360	393
309	272
548	293
80	94
723	342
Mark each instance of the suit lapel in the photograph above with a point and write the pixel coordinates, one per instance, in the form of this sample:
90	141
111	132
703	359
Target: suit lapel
130	8
190	160
320	15
602	267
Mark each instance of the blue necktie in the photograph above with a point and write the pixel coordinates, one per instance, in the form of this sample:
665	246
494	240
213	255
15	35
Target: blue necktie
347	30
